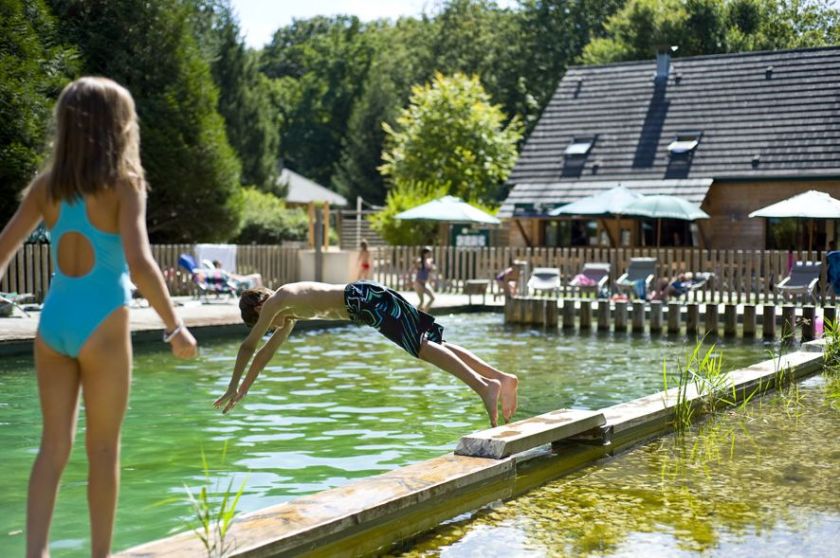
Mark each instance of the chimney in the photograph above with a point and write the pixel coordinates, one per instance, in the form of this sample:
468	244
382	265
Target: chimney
663	65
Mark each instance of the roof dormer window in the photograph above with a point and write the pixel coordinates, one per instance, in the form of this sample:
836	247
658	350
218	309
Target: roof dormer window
684	143
580	146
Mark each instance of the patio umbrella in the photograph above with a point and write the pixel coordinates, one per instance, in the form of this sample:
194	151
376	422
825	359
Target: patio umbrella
603	204
662	206
448	209
608	203
808	205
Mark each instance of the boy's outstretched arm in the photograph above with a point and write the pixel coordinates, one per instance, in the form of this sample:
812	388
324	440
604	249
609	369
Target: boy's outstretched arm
235	392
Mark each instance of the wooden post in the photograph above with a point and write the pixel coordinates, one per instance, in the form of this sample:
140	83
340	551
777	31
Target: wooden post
568	313
712	319
692	318
311	213
656	316
620	315
638	315
326	212
528	311
749	320
730	320
788	322
538	311
603	315
674	310
585	315
551	312
809	328
509	310
768	322
829	315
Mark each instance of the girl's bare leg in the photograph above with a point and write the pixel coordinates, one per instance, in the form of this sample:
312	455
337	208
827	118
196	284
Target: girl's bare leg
105	363
58	389
509	382
431	294
447	360
420	289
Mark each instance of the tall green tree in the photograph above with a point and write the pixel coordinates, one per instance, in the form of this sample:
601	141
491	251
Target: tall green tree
150	48
34	66
451	135
402	57
251	121
322	62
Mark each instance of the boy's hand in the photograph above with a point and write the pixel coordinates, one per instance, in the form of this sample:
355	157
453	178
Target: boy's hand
229	400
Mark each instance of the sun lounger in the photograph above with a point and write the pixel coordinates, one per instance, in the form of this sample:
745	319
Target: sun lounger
544	279
638	279
592	278
802	281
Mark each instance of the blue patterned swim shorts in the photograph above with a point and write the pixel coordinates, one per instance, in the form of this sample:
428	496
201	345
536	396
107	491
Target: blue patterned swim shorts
393	316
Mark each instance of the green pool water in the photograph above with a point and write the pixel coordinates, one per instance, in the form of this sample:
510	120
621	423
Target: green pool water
333	405
759	481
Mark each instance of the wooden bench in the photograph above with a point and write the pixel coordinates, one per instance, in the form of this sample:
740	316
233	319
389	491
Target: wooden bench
476	287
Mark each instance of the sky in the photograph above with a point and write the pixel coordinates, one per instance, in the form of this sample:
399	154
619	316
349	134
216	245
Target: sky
259	19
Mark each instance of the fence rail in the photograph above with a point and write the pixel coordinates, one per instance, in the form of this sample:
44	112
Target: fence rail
741	276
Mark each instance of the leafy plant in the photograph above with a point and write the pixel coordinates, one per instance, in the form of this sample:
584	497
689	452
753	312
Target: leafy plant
214	520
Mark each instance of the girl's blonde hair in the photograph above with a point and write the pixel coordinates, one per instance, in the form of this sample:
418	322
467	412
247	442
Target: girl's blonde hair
97	140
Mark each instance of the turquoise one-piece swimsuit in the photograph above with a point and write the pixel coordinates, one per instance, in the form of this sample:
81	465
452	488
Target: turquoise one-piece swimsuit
76	306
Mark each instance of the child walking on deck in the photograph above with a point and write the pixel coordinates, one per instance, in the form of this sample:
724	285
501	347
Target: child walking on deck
363	302
93	199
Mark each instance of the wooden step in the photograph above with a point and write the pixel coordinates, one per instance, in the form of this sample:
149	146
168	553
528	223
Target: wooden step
526	434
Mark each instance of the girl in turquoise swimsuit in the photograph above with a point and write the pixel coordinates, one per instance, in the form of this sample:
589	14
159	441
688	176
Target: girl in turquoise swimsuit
92	197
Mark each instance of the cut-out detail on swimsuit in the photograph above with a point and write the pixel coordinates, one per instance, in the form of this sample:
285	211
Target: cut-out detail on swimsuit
77	304
81	262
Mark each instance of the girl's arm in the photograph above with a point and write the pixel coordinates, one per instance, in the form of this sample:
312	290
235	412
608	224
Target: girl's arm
144	270
21	225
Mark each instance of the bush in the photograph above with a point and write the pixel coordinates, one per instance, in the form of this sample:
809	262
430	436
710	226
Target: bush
267	220
406	233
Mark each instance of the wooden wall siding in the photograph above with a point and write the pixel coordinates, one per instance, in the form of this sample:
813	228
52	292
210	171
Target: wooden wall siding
730	203
741	275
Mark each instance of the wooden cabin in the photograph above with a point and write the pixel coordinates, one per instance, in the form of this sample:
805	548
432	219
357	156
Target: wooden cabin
732	133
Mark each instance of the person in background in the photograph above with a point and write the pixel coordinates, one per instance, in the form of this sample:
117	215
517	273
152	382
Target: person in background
363	265
508	278
242	282
92	197
422	277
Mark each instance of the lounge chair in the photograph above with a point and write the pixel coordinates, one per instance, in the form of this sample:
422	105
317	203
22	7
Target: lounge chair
802	280
638	279
208	281
592	278
546	279
10	301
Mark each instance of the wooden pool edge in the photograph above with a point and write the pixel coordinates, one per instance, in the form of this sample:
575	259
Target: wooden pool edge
371	515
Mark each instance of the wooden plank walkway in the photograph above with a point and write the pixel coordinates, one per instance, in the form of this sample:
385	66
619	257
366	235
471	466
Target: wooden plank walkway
523	435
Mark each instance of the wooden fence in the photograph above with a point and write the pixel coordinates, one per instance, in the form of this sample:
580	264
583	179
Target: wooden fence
741	276
31	268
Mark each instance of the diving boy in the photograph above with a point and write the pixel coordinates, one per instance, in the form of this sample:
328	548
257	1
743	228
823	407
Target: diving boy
363	302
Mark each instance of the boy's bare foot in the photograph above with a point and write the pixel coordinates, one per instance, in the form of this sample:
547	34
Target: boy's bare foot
491	400
510	386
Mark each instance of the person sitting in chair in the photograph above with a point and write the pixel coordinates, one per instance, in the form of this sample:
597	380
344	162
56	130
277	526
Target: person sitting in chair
242	282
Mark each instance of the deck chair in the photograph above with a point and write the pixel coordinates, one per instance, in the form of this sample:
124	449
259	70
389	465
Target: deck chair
207	281
545	279
802	280
638	279
10	301
592	278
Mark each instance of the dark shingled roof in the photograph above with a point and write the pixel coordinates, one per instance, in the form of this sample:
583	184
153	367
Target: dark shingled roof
762	115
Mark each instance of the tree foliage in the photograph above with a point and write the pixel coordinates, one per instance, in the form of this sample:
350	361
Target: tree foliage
267	220
150	48
406	233
451	136
699	27
34	66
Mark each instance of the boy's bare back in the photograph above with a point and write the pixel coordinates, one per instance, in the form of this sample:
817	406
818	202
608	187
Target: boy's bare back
307	300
